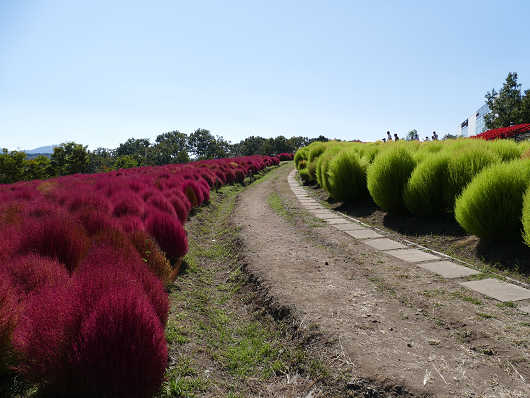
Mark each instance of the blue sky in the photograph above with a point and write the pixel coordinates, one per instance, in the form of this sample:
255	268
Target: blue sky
100	72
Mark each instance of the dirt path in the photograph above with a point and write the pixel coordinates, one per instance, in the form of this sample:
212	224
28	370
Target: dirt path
400	328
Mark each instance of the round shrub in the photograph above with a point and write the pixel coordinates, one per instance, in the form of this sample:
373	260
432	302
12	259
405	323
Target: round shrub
424	192
491	205
128	205
121	350
152	255
56	237
526	217
347	176
315	150
8	315
169	234
506	149
463	167
104	269
44	336
32	272
300	155
387	176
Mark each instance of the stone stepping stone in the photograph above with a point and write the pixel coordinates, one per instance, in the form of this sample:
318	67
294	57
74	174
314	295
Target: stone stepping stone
384	244
351	226
338	221
329	216
364	233
525	309
412	255
498	290
448	269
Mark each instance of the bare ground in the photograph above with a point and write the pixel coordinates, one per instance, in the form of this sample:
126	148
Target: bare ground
398	330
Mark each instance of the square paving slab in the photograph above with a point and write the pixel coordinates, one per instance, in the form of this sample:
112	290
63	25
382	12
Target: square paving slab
364	233
338	220
448	269
498	290
412	255
329	216
384	244
351	226
525	309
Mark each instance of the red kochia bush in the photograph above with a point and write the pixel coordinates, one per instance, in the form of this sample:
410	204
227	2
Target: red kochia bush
121	350
55	237
32	272
169	234
161	203
95	222
104	268
128	204
8	315
44	336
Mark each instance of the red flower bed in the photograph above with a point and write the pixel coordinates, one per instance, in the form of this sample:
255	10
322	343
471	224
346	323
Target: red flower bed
84	260
285	156
504	132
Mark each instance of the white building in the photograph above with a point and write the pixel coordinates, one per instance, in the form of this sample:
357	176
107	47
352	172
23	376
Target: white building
475	124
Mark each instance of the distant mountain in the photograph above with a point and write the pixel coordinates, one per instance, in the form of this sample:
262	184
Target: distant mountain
42	150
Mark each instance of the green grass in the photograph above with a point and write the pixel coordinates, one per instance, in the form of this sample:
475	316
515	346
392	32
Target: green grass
467	298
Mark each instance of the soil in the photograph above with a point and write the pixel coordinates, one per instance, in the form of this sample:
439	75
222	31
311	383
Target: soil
402	331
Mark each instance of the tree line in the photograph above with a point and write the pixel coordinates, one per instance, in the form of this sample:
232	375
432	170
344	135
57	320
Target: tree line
170	147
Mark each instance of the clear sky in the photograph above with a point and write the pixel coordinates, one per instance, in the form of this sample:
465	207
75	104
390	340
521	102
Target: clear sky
98	72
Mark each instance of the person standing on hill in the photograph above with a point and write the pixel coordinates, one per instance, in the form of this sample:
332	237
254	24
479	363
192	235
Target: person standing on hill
389	136
426	138
434	136
396	138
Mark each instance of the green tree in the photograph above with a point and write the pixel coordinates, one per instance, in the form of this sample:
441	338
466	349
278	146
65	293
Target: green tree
125	162
70	158
202	144
11	166
505	105
38	168
135	147
101	160
171	147
413	135
525	107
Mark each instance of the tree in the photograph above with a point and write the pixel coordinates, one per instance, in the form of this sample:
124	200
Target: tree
101	160
11	166
505	106
202	144
135	147
413	135
38	168
171	147
70	158
125	162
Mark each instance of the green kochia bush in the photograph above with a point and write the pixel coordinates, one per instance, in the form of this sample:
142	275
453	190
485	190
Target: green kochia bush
461	169
424	193
347	176
387	176
526	217
323	166
490	207
300	155
506	149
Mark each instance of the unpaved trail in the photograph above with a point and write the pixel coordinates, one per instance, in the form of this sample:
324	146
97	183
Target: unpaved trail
406	331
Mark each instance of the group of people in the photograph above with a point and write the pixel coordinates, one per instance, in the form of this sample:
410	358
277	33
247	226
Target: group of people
434	137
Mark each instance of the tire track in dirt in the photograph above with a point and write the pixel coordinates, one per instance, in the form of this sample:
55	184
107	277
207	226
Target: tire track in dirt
373	307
